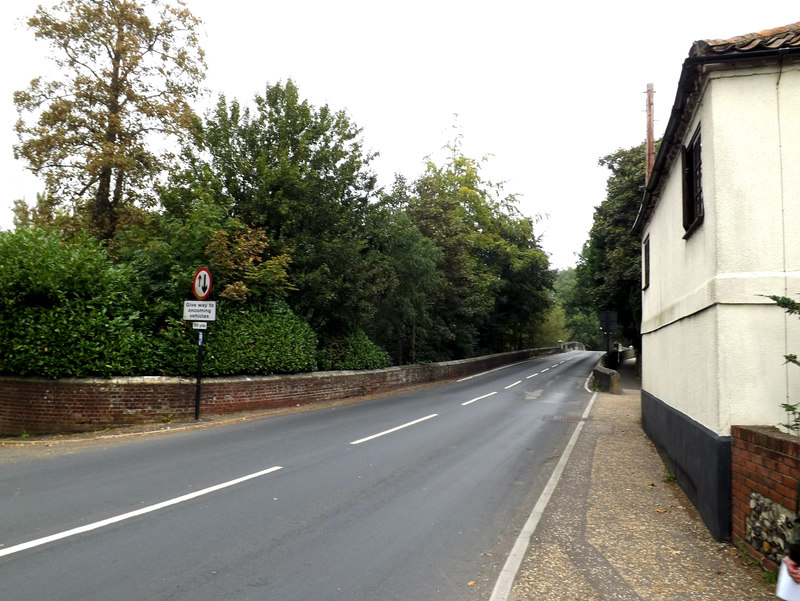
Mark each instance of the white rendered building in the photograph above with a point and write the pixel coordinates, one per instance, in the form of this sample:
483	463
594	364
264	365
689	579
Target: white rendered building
719	228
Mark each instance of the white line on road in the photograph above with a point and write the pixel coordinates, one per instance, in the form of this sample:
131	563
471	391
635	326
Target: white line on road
483	373
532	376
512	385
132	514
502	588
478	399
416	421
544	370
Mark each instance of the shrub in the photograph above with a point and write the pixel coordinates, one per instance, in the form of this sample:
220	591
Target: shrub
792	307
254	342
66	310
355	351
174	349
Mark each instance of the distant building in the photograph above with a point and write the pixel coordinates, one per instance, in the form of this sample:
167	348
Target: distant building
720	227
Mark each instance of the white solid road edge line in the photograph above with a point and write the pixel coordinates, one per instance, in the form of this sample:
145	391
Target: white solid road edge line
132	514
385	432
505	581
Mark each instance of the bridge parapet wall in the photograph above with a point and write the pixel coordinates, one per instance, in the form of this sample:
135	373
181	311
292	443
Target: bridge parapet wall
38	406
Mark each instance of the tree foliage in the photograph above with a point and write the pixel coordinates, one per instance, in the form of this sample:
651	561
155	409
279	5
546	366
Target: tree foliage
127	73
167	249
299	174
493	275
404	309
314	267
792	307
609	269
580	316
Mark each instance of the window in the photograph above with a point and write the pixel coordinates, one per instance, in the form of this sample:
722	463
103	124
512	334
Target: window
646	263
692	185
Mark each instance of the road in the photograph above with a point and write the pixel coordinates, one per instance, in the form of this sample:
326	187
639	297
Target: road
417	496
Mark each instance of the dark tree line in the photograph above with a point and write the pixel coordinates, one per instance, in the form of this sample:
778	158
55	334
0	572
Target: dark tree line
608	274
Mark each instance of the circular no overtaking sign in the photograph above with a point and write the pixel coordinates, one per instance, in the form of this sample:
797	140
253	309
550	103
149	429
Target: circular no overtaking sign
201	285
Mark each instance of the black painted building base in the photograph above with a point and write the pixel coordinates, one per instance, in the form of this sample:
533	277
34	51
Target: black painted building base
699	458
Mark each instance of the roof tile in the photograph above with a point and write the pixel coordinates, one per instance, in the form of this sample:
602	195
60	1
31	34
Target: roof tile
778	37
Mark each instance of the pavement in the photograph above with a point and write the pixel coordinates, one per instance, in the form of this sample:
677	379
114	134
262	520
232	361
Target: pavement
616	527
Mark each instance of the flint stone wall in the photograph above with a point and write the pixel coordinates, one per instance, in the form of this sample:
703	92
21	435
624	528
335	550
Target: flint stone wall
765	468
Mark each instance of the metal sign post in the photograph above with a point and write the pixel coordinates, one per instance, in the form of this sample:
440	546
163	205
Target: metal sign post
200	312
608	324
199	376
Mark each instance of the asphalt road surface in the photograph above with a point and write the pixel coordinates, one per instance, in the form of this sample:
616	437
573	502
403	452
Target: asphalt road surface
417	496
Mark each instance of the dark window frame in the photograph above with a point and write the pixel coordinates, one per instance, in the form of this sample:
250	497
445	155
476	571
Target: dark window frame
646	263
692	169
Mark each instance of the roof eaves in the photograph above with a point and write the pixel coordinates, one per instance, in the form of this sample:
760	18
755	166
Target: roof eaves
769	39
768	44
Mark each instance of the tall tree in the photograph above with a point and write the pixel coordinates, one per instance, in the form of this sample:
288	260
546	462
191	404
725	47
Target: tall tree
403	310
581	317
439	209
609	269
299	174
494	275
522	280
127	72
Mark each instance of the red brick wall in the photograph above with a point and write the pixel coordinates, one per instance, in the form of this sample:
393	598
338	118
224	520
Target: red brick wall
74	405
765	461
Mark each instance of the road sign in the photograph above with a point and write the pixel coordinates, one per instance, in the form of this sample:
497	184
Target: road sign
200	310
201	285
608	321
200	325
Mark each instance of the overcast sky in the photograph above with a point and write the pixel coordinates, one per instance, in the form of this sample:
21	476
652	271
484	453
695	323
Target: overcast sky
542	91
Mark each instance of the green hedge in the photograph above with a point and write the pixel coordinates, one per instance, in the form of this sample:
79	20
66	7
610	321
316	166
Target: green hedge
355	351
274	341
67	310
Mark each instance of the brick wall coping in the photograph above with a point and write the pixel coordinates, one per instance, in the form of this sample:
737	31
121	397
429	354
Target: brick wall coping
769	437
40	406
